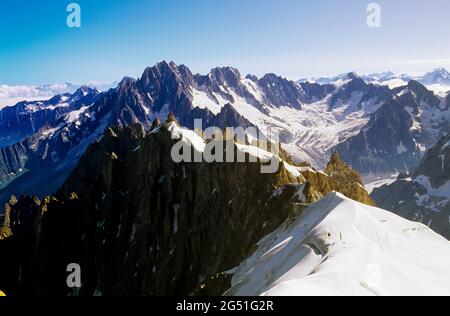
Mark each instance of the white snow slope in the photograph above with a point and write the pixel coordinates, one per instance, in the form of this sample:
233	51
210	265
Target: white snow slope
374	182
308	134
340	247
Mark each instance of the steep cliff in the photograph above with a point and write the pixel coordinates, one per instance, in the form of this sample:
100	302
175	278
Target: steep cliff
140	224
423	196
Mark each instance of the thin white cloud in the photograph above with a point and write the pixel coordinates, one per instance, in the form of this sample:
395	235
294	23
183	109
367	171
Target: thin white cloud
10	95
23	91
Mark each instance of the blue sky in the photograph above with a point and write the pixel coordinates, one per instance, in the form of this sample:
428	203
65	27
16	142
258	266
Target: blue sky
293	38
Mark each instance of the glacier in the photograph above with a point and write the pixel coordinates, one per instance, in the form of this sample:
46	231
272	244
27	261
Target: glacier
340	247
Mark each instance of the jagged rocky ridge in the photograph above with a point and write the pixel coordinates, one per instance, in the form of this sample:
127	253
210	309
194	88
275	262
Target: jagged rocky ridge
62	128
312	120
423	196
439	76
369	92
140	224
399	132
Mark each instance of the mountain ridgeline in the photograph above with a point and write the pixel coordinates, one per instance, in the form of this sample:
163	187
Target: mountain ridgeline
89	177
397	134
42	141
140	224
38	153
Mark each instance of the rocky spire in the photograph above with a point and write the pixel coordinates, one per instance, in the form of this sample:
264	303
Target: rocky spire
347	181
171	118
335	158
352	75
155	124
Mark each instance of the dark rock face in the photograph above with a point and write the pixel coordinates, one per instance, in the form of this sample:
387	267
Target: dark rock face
226	76
419	93
140	224
164	85
11	161
315	91
370	152
282	92
156	224
18	232
229	117
252	78
422	196
447	102
367	92
347	181
394	137
436	163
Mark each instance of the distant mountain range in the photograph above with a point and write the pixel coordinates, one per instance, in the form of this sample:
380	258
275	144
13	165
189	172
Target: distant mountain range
41	141
439	76
10	95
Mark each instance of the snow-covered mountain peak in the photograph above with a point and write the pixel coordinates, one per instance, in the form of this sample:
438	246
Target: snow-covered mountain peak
341	247
82	92
226	75
436	79
442	71
126	82
382	75
352	75
252	77
437	76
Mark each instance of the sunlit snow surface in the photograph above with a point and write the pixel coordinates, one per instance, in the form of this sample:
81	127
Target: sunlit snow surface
309	133
341	247
374	182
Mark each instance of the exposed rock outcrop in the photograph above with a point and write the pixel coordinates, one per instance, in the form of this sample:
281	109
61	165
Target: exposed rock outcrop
412	120
140	224
424	195
346	180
